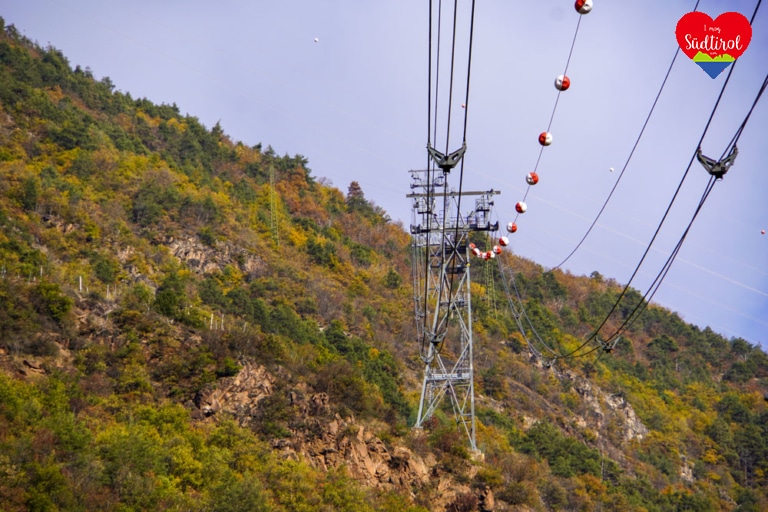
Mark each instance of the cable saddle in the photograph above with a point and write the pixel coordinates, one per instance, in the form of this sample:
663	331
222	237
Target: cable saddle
608	346
447	162
717	168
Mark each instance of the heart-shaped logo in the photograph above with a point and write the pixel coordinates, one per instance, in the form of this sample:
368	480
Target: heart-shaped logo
713	44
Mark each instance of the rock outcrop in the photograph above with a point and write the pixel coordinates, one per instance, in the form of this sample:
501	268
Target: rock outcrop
604	405
328	441
205	259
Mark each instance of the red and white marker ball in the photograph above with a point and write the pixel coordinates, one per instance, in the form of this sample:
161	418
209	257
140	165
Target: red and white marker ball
476	251
521	207
496	249
511	227
532	178
762	231
562	83
504	241
583	6
545	138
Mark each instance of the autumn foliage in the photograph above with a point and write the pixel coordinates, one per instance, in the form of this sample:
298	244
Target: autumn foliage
145	257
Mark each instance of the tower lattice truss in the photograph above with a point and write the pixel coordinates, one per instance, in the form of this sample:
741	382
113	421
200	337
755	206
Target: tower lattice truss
442	293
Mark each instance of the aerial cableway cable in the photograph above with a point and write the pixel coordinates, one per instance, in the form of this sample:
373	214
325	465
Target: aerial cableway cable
710	184
554	108
729	150
521	315
629	158
645	300
665	269
431	334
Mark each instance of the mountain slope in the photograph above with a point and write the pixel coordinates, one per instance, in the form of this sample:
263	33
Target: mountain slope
188	322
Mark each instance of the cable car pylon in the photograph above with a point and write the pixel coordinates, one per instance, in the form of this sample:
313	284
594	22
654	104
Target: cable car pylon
442	295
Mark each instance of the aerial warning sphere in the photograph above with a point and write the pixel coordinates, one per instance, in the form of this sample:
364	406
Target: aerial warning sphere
476	251
472	246
545	138
562	83
496	249
316	40
532	178
503	241
521	207
511	227
463	105
762	231
583	6
611	169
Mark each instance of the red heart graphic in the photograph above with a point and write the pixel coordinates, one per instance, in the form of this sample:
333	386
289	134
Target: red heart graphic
729	33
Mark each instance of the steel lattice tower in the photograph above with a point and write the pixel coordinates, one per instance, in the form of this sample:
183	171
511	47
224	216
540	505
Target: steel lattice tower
442	295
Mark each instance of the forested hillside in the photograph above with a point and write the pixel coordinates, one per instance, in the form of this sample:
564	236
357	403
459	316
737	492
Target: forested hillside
190	323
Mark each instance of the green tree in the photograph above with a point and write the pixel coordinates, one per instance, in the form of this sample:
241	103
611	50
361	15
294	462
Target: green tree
50	300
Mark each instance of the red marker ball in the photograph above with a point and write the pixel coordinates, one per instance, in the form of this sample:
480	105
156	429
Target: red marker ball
521	207
545	138
583	6
532	178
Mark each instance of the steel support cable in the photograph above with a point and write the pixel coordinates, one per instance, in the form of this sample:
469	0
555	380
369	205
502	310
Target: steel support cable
554	109
596	332
469	68
431	169
466	105
441	284
743	124
629	158
516	315
630	155
682	180
528	320
464	133
523	314
423	346
447	152
646	300
710	185
653	288
662	274
466	116
430	128
450	85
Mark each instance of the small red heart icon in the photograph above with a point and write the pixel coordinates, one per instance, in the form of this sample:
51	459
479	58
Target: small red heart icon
728	34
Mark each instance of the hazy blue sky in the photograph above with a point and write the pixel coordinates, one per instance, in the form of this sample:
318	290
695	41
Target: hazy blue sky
354	103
